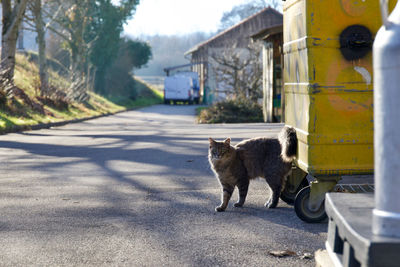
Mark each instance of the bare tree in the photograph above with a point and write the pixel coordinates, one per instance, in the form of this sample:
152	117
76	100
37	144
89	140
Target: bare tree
13	12
70	25
238	71
245	10
39	21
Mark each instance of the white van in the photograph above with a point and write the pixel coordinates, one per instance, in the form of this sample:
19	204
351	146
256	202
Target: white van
179	88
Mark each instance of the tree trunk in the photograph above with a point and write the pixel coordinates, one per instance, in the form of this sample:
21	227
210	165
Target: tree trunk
44	81
8	44
12	17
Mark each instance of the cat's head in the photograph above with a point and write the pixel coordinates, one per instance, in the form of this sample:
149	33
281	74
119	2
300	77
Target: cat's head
219	150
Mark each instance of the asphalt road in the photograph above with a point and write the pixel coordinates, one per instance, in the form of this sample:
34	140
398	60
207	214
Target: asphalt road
135	189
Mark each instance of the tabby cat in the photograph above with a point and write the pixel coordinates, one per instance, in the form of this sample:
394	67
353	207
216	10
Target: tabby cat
269	158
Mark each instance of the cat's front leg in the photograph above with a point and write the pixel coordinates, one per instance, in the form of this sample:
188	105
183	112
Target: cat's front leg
226	196
243	187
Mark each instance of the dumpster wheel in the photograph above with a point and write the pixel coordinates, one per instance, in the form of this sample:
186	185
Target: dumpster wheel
289	195
302	210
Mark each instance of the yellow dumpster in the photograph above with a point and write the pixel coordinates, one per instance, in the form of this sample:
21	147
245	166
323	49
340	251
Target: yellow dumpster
329	92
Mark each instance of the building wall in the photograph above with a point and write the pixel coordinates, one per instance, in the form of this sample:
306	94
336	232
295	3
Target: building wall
238	36
273	100
268	76
219	89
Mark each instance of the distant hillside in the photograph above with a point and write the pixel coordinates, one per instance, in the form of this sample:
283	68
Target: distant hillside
169	51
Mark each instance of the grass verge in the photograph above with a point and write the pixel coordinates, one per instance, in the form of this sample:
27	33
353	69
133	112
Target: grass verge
147	96
23	113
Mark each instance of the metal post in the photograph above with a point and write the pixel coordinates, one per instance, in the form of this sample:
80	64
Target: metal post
386	64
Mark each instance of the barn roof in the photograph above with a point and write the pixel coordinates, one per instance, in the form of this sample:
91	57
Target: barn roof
253	24
267	32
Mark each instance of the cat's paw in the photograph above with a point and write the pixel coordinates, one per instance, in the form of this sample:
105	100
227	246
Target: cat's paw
219	209
270	205
238	205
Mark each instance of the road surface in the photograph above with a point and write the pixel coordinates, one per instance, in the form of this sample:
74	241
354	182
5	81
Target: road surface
135	189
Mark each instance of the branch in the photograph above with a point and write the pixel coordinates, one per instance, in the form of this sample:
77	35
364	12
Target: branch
65	37
29	28
15	16
28	17
224	61
29	23
52	18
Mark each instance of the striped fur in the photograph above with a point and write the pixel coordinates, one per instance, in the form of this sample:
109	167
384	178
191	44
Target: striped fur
235	166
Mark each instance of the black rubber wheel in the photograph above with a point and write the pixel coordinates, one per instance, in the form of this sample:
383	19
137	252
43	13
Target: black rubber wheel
289	195
302	210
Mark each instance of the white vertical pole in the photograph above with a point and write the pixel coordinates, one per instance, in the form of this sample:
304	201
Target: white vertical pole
386	57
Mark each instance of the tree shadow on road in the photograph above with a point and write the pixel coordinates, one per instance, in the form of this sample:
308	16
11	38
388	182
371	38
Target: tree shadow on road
153	186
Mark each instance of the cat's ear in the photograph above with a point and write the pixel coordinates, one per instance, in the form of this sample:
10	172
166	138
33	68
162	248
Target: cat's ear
212	142
227	141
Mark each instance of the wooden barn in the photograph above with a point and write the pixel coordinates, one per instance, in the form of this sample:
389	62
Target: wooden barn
234	39
272	78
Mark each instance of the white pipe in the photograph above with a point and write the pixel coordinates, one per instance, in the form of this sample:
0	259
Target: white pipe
386	64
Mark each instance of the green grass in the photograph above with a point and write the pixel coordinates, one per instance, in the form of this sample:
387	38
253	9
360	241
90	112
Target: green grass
200	109
147	96
17	115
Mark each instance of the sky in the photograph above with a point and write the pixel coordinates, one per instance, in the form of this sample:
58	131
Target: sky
170	17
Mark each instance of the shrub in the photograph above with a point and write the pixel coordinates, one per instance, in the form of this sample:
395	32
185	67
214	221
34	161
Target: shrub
232	111
119	82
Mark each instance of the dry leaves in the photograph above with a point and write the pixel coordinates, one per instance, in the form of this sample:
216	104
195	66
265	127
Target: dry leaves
282	253
286	252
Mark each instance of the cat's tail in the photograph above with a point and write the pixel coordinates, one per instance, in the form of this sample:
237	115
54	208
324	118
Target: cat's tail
288	140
